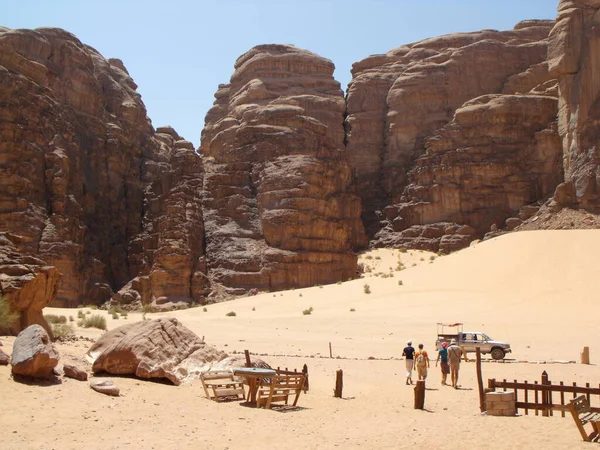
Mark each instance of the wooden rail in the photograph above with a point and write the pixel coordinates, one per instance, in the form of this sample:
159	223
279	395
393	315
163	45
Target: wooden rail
542	393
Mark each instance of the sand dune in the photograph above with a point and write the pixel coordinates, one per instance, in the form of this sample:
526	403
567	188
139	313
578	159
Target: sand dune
536	290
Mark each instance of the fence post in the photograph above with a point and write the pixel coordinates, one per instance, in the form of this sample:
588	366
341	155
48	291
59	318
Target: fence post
248	362
545	395
305	372
482	407
339	383
585	355
420	394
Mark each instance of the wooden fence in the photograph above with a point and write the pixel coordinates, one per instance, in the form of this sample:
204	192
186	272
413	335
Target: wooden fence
540	396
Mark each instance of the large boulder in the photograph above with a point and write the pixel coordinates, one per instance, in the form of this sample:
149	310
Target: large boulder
34	354
161	348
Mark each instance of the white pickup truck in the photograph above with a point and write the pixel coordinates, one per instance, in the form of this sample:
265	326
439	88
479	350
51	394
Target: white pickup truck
468	341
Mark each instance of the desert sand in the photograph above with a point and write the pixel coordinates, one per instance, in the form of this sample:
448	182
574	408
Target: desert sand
536	290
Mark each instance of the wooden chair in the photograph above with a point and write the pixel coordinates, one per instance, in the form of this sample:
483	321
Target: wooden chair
580	410
278	389
221	384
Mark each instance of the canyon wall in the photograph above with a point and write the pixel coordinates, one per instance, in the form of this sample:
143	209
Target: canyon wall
573	59
278	208
435	127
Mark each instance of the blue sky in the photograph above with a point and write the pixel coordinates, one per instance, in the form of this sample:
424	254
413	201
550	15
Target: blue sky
178	52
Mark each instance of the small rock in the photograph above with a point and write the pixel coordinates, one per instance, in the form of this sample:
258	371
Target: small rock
4	359
75	372
105	387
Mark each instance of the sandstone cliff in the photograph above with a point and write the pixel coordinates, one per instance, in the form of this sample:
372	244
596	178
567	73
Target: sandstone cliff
435	94
278	208
81	169
573	59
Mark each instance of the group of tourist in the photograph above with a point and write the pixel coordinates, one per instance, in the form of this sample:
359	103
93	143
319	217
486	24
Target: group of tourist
448	356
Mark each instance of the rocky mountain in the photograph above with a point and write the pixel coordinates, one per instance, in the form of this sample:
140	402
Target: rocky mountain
436	143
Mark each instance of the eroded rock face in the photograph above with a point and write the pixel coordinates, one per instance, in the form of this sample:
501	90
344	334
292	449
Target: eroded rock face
278	208
161	348
85	183
397	101
26	282
573	59
33	354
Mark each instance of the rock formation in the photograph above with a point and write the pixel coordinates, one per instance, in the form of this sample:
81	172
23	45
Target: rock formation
573	59
278	208
161	348
428	95
26	282
33	354
85	183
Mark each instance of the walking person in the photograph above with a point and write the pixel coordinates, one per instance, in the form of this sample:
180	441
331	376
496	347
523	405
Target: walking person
421	363
443	357
409	354
454	354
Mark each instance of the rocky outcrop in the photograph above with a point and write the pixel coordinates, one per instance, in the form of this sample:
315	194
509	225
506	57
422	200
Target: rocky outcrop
27	283
161	348
278	208
397	101
85	182
573	59
33	354
168	254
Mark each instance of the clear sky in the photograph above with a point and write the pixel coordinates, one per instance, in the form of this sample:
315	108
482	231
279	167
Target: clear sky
179	51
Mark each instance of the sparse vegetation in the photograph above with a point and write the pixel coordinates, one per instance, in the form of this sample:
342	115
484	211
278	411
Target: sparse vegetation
94	321
339	282
62	331
400	283
352	310
432	257
7	317
308	311
367	289
71	319
402	250
80	314
115	316
91	306
231	314
54	319
369	257
204	309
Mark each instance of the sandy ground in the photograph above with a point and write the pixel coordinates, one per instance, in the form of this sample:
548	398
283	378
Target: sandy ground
536	290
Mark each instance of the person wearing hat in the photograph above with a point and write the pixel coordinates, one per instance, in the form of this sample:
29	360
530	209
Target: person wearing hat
454	354
443	356
409	354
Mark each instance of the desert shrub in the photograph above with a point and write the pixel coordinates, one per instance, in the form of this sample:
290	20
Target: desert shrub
308	311
124	314
378	257
368	257
367	289
91	306
94	321
403	250
300	294
71	319
115	316
7	317
53	318
431	258
62	331
204	309
80	314
339	282
422	259
253	308
116	310
400	283
231	314
352	310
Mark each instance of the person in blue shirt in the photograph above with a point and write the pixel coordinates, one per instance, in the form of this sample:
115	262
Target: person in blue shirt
443	357
409	354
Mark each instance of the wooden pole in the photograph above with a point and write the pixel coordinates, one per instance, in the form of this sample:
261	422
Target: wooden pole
305	372
545	395
248	362
482	407
420	394
339	383
330	353
585	355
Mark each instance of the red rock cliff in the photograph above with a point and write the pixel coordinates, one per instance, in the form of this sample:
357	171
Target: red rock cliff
278	208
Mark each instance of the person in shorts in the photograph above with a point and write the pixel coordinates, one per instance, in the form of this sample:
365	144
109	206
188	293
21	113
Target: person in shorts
443	358
409	354
421	363
454	354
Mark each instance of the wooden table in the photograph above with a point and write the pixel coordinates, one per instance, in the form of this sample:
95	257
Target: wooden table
252	375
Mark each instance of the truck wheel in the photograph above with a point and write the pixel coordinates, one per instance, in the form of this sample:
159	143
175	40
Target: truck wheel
497	353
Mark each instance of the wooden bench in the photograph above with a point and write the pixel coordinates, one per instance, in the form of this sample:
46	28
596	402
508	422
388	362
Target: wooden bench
221	384
279	388
580	410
